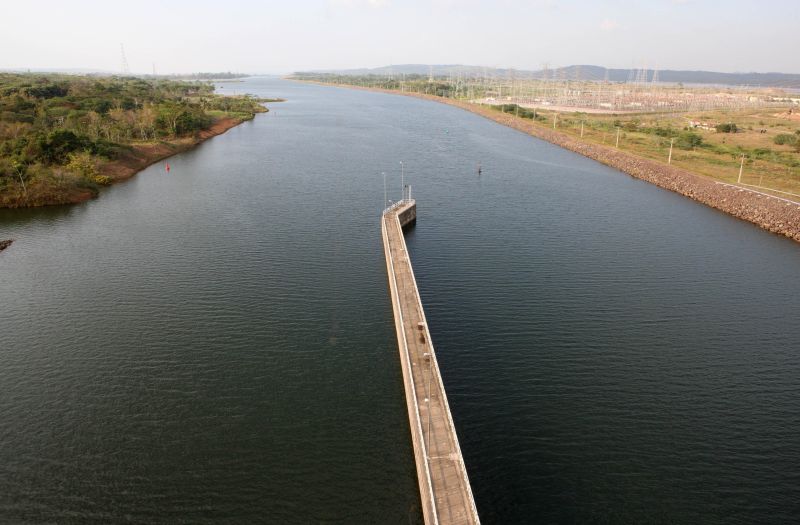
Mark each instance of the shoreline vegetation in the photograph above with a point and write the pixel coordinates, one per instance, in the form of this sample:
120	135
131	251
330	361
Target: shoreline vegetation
63	137
778	214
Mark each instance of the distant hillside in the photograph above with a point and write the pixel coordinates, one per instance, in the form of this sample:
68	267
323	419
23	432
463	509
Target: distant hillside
588	72
226	75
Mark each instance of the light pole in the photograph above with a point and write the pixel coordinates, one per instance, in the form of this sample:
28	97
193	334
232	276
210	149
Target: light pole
385	195
617	138
402	180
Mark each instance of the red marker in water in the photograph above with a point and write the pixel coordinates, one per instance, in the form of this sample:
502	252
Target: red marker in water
167	167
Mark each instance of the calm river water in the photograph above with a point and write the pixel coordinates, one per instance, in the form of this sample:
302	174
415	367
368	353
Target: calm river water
216	344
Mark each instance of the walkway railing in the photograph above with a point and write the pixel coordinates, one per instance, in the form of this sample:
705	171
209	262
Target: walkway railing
397	204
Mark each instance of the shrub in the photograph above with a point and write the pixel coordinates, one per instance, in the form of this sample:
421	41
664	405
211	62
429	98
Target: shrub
729	127
688	140
58	144
664	132
760	153
48	91
82	164
519	110
784	139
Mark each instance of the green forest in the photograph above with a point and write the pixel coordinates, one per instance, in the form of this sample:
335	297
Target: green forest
59	134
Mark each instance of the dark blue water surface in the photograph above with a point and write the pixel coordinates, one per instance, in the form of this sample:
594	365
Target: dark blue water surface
216	344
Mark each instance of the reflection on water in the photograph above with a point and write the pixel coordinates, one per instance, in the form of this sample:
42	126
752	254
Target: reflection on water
216	344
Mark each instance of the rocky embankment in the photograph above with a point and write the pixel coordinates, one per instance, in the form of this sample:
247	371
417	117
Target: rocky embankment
774	214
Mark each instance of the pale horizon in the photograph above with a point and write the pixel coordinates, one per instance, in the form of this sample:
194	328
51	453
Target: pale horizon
278	38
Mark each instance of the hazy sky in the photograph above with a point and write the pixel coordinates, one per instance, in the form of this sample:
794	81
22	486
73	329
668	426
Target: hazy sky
283	36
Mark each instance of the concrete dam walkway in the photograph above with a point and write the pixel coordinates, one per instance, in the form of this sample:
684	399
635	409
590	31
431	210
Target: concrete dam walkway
445	491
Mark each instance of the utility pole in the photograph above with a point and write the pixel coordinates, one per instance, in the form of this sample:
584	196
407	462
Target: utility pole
741	168
669	159
617	138
581	129
555	115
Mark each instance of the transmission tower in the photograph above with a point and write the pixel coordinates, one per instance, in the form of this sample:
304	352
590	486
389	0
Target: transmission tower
642	75
125	68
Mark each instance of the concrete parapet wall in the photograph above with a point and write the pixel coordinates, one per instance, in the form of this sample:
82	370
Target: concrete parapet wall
408	216
417	440
445	491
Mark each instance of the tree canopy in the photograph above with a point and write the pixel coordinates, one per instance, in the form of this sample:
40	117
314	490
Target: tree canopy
45	120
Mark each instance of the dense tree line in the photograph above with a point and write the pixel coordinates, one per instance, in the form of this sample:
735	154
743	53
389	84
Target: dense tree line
56	125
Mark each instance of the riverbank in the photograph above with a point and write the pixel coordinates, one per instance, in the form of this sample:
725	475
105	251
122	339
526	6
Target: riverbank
774	214
131	160
63	137
141	156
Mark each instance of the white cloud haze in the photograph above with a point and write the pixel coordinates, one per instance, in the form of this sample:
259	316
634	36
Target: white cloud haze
283	36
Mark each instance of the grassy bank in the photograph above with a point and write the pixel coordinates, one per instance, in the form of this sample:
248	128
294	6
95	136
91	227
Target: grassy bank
64	137
709	143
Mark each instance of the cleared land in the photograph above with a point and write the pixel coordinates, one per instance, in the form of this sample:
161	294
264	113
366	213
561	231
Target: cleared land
702	149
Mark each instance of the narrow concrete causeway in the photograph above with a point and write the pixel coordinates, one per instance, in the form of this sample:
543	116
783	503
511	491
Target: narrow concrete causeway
444	486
